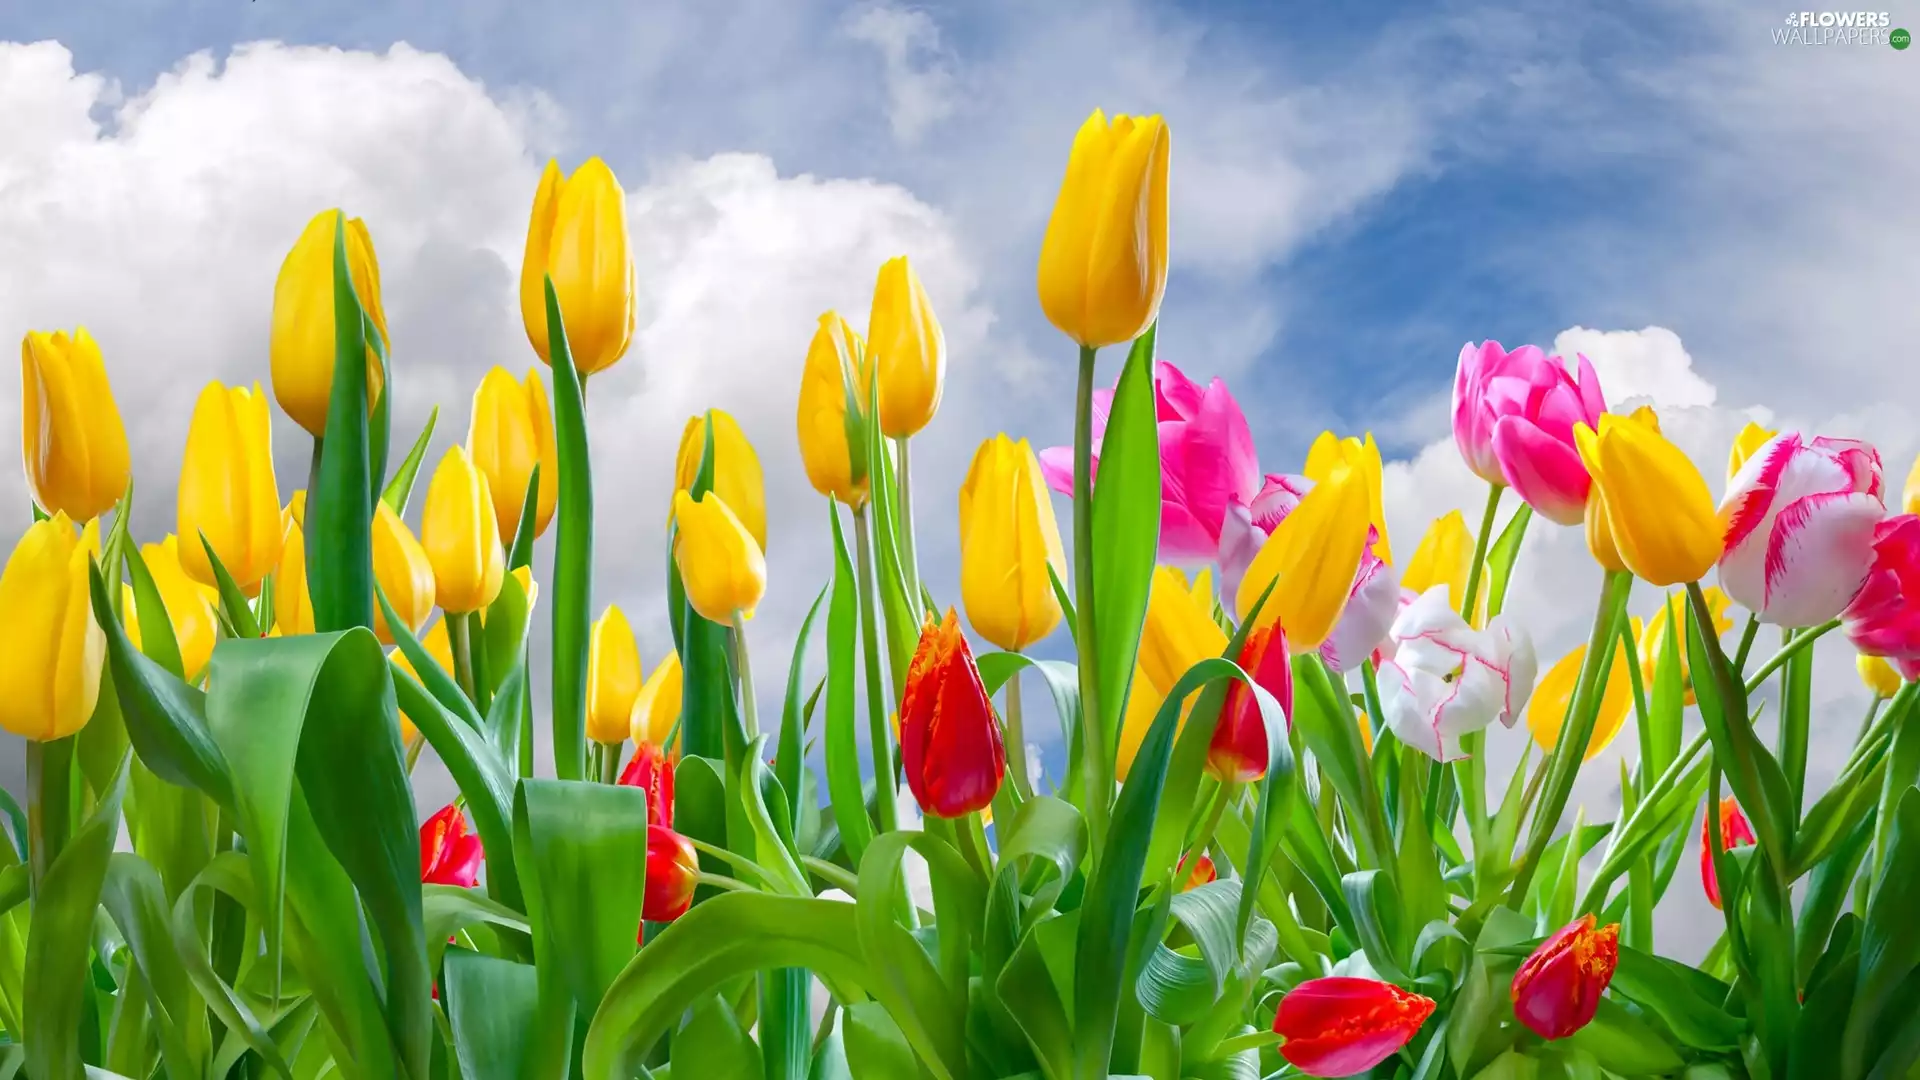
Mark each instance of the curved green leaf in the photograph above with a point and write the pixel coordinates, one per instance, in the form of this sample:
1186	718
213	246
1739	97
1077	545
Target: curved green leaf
842	726
572	553
1126	518
137	903
490	1006
928	1003
339	523
165	718
400	489
59	939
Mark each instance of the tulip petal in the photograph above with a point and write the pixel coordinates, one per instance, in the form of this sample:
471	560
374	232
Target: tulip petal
1544	471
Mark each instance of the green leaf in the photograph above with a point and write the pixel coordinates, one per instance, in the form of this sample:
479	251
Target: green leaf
931	1009
490	1005
136	901
1126	518
1035	998
1682	998
485	780
1752	772
233	603
713	1044
1889	939
434	678
707	712
770	852
520	553
157	639
789	758
1180	988
400	489
572	555
875	1047
1501	557
339	520
58	942
842	728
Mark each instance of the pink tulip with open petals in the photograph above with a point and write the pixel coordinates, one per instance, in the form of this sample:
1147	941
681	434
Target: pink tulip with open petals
1513	420
1884	617
1799	521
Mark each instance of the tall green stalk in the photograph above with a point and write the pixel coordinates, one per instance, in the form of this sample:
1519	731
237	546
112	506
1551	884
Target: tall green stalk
1470	772
884	780
909	556
743	669
1094	757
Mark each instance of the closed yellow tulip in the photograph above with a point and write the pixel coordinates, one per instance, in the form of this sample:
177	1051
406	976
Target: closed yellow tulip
1878	675
292	602
510	432
736	469
720	565
50	647
73	442
302	348
1008	538
657	707
1363	456
461	536
190	606
1659	512
613	677
405	574
834	387
1179	632
1654	642
1910	498
1547	709
908	350
1311	560
1751	438
1444	557
228	493
1103	264
578	235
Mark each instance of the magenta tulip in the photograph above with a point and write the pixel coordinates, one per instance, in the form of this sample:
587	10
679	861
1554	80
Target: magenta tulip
1799	518
1884	618
1513	420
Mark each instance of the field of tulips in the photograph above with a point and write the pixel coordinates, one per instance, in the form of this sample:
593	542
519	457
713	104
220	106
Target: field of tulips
1277	848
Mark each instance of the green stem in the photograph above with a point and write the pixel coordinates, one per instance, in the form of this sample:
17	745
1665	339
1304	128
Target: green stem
1902	759
1651	758
49	804
885	781
596	758
1017	740
413	752
461	646
1469	772
1094	757
749	711
477	663
526	720
313	467
1746	643
1216	807
1480	543
1796	691
909	560
1800	641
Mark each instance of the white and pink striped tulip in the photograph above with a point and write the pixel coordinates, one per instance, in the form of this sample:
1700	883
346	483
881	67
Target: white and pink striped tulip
1798	522
1447	679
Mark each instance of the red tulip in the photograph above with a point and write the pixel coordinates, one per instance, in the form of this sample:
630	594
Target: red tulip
1203	873
1735	832
449	854
673	872
949	738
1341	1026
1558	988
1238	752
652	770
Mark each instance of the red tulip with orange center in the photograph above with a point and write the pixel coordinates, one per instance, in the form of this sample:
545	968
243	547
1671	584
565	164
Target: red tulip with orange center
1203	873
673	872
1735	832
949	738
1558	988
1238	751
652	771
449	854
1341	1026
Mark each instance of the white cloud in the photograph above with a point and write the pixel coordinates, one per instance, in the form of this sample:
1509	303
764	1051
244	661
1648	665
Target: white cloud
919	76
1649	363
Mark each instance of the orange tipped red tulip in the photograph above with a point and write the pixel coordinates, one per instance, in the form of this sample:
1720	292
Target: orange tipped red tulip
1203	873
449	854
673	873
1238	752
1735	832
652	771
1558	988
949	739
1341	1026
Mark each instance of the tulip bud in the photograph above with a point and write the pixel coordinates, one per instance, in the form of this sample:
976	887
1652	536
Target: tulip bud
1341	1026
1557	989
462	536
613	677
1362	456
75	446
1203	873
405	574
50	647
1751	438
578	236
292	602
908	350
1553	695
834	387
1103	264
652	771
1444	557
190	606
227	489
1008	538
721	567
510	431
1311	559
673	873
1238	751
1878	675
949	737
736	469
302	347
1659	512
657	707
1735	832
449	853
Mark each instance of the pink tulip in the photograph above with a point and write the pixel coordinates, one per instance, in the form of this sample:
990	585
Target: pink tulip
1513	420
1799	519
1884	618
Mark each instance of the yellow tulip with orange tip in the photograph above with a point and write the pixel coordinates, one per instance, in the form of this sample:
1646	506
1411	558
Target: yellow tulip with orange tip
1103	263
509	432
1751	438
1008	539
1660	518
613	677
832	414
656	708
1655	641
192	608
722	568
908	350
405	574
301	350
1363	457
461	536
73	442
1444	557
228	493
1311	559
737	478
1547	709
51	650
578	237
1178	633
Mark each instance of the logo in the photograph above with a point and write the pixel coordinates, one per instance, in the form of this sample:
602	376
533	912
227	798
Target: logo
1839	28
1900	39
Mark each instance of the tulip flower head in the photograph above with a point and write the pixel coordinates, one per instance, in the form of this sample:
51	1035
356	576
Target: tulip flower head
1444	557
736	469
190	606
1179	632
1238	751
1514	415
228	493
51	649
302	348
461	535
1342	1026
673	873
1798	522
949	737
403	570
578	237
1447	679
509	432
832	416
1659	513
1557	989
1329	452
292	602
613	677
1547	708
720	564
908	349
651	770
1884	618
450	853
73	442
657	707
1203	873
1877	675
1751	438
1103	264
1735	832
1313	561
1008	539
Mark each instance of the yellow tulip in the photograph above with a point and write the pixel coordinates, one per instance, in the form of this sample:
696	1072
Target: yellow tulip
1444	557
1751	438
292	602
1654	642
657	707
1547	709
834	387
73	442
1659	512
1910	498
1363	456
403	570
302	347
736	469
296	508
1008	538
613	677
190	606
578	235
461	536
1878	675
720	565
1179	632
1366	729
1103	264
50	647
227	489
510	432
908	350
1311	560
